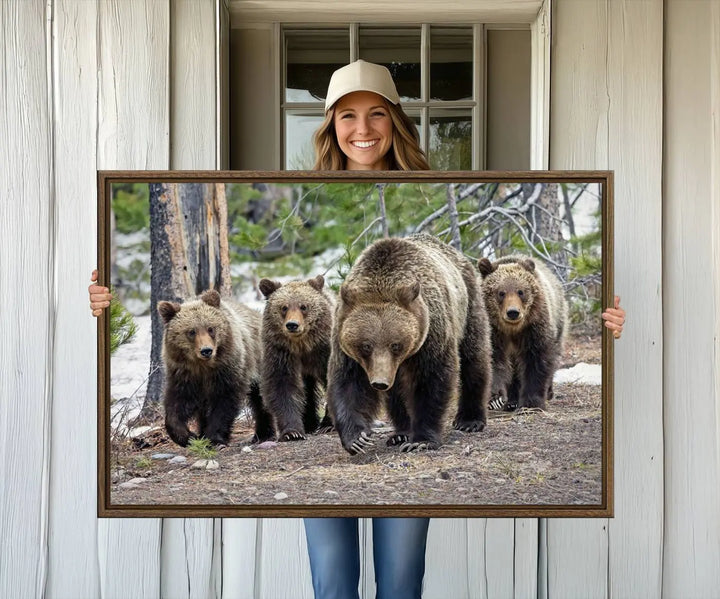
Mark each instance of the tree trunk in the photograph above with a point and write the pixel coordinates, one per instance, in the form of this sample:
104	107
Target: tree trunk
188	253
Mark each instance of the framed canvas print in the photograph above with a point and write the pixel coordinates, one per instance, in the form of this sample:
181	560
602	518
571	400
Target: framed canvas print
355	344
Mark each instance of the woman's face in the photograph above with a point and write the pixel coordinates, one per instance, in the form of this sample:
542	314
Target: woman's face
364	130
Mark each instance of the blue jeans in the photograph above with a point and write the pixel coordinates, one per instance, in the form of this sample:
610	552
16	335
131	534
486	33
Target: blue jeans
398	552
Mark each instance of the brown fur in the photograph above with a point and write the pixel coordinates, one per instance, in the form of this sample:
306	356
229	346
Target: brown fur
211	354
528	316
410	329
296	342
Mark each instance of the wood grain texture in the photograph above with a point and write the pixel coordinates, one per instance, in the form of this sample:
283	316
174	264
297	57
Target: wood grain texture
607	113
190	565
72	542
283	566
239	558
133	127
26	286
635	117
692	362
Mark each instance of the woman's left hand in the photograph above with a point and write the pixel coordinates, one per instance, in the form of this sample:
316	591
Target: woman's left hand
615	318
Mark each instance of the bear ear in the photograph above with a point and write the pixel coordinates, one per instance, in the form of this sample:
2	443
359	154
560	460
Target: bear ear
348	295
268	287
317	283
168	310
527	264
485	267
408	294
211	297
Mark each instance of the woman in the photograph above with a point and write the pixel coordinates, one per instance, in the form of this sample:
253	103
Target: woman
365	129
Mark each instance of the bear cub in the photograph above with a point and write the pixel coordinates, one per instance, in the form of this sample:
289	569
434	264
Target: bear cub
212	353
528	317
296	326
411	331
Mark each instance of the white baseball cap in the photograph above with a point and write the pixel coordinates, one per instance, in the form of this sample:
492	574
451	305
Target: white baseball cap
361	76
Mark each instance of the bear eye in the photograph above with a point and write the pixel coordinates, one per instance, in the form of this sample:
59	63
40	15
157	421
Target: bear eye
501	294
211	331
365	348
521	292
284	310
396	348
191	333
303	308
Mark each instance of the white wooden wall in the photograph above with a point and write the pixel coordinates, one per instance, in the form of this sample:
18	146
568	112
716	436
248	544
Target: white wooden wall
635	87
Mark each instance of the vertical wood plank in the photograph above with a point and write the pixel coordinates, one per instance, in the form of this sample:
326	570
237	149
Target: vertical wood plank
190	565
133	133
72	542
283	569
692	359
449	552
576	559
607	113
635	117
26	277
239	561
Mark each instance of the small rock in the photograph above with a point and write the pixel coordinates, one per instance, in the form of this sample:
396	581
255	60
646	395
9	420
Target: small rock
138	430
266	445
467	449
223	491
137	481
162	456
328	492
247	449
212	465
279	496
200	464
128	485
423	476
178	459
444	475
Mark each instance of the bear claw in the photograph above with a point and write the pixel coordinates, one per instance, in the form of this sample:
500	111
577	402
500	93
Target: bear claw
361	443
292	436
418	446
397	439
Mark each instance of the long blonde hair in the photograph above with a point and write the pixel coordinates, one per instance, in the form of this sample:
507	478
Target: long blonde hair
406	154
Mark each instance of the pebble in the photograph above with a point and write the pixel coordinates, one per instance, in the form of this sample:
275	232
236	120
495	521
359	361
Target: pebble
267	445
328	492
247	449
200	464
162	456
133	483
178	459
281	496
212	465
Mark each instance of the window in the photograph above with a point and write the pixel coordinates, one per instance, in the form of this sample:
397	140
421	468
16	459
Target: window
467	87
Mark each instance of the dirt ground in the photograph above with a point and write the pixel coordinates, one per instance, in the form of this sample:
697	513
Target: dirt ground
523	458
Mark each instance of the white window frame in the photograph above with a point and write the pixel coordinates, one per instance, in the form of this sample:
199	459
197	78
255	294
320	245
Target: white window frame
535	15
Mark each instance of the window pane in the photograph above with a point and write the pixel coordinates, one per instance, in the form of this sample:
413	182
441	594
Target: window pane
399	50
451	63
311	57
299	151
450	140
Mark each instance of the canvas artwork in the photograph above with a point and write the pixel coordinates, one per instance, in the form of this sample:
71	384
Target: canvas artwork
361	344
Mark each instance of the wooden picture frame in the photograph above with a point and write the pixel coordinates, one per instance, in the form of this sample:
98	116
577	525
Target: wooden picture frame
289	224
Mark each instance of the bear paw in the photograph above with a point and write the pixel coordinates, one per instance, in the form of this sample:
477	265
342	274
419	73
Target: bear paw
292	435
510	405
418	446
496	402
361	444
469	426
397	439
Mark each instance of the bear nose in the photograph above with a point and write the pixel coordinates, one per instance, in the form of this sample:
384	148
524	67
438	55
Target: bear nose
379	386
291	326
206	352
513	314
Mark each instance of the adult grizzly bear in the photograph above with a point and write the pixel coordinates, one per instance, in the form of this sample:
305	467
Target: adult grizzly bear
212	353
296	347
411	329
528	316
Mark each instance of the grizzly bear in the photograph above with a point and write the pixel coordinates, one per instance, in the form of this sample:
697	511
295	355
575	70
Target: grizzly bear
212	354
296	347
528	316
411	330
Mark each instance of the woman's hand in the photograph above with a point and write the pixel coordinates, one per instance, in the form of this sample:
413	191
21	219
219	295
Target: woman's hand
99	296
615	318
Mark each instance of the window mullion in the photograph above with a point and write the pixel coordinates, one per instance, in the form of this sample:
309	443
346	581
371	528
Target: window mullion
479	113
354	41
425	85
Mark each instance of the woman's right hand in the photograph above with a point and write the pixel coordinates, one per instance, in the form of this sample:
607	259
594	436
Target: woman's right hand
99	296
